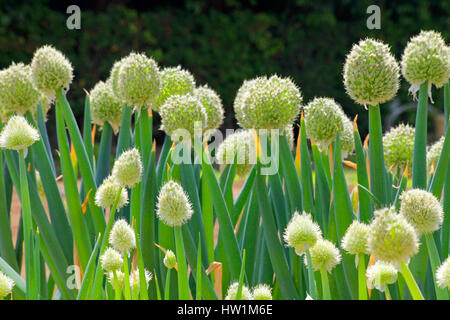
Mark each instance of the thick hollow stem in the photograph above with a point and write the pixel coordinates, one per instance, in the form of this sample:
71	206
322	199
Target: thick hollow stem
411	283
126	277
325	283
311	280
167	288
183	284
441	294
419	165
117	290
362	289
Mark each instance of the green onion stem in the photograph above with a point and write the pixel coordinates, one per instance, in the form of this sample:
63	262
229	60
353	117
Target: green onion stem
411	282
325	283
362	278
311	280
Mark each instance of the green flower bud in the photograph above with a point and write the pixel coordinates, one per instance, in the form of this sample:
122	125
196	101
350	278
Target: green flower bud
371	73
434	152
122	236
173	207
51	70
105	107
347	139
106	194
442	274
323	118
324	253
17	92
170	260
135	281
302	232
6	285
18	134
380	274
241	145
262	292
398	145
173	81
127	170
233	290
422	210
391	237
111	260
213	106
183	112
355	238
139	81
267	103
426	59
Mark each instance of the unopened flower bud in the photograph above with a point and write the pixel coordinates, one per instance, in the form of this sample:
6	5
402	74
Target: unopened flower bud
170	260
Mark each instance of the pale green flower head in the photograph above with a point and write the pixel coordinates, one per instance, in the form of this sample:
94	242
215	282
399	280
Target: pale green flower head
105	107
174	80
324	253
135	281
183	112
106	194
139	81
120	278
346	136
371	73
170	260
426	59
422	210
122	236
380	274
302	232
355	238
241	145
173	207
114	78
434	152
323	118
443	274
51	70
111	260
18	134
392	238
213	106
233	290
17	92
262	292
267	103
6	285
398	145
288	131
127	170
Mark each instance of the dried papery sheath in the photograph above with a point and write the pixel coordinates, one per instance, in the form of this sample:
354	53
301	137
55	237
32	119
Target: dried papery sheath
398	145
213	106
18	134
122	236
174	80
443	274
6	285
302	232
380	274
105	107
233	289
170	260
355	238
127	170
111	260
371	73
107	193
262	292
173	207
422	210
392	238
324	253
434	152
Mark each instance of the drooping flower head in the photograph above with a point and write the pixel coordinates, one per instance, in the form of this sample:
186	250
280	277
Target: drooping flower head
267	103
233	290
111	260
127	170
173	81
6	285
371	73
422	210
170	260
213	106
324	253
391	237
18	134
122	236
105	107
106	194
434	152
51	70
262	292
426	59
173	207
443	274
17	92
139	80
302	232
241	145
380	274
355	238
398	145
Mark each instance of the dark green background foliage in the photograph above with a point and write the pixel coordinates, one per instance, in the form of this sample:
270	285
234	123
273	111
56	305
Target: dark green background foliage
221	42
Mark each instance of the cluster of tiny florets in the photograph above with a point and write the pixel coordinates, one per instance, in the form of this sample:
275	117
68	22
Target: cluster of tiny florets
105	107
302	232
170	261
434	152
127	170
443	274
173	207
380	274
371	73
111	260
18	134
267	103
422	210
324	253
398	145
122	236
213	106
107	193
135	281
355	238
6	285
233	290
262	292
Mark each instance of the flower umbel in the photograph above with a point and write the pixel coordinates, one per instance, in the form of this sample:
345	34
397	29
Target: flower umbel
324	253
122	236
213	106
380	274
105	107
107	193
6	285
233	289
262	292
18	134
443	274
173	207
127	170
111	260
355	238
302	232
398	145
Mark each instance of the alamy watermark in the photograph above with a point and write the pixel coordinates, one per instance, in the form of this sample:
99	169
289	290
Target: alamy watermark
374	20
74	20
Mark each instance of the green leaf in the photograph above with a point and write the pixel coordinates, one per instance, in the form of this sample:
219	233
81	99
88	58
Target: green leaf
419	165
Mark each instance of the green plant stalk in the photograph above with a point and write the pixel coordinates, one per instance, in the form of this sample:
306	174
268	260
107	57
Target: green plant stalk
158	292
241	278
143	292
362	289
88	275
104	153
167	287
411	283
208	219
87	134
325	284
37	267
183	283
198	282
311	280
441	294
438	178
419	165
306	171
445	230
387	293
126	277
446	103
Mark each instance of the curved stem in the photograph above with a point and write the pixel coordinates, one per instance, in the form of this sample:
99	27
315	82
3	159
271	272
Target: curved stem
325	284
411	283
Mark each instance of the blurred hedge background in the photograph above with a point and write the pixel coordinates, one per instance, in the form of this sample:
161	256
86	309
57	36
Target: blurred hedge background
223	42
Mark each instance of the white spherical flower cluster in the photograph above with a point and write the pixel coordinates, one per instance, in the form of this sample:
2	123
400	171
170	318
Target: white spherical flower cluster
302	232
6	285
380	274
233	290
173	207
111	260
324	253
105	107
18	134
355	238
213	106
443	274
127	170
107	193
122	236
398	145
